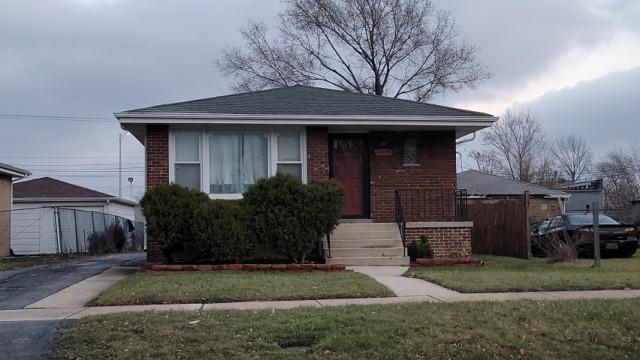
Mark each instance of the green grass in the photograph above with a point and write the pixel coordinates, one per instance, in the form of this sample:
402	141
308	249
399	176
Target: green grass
26	261
510	274
214	287
588	329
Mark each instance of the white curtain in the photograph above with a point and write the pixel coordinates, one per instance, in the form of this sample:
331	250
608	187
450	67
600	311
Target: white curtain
237	160
225	152
255	159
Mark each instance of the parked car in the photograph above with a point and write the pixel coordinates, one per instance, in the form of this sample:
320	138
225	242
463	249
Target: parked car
616	239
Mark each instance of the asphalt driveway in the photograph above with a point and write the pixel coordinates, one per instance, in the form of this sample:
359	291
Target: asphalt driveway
22	287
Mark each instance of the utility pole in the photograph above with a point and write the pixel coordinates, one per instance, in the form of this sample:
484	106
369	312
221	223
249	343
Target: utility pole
596	234
120	165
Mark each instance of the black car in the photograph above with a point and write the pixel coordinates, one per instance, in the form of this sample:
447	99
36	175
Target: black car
616	239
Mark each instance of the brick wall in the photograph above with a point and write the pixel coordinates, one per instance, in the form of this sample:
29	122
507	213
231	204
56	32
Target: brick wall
5	216
445	241
157	157
436	169
317	153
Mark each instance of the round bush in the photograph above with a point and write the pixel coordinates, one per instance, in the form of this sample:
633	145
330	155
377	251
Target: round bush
169	211
292	217
220	231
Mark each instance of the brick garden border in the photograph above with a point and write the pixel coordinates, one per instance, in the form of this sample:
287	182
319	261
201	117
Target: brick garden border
446	262
250	267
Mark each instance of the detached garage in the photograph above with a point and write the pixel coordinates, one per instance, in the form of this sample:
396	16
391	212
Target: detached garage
41	219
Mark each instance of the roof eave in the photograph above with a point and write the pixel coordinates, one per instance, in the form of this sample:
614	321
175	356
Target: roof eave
126	118
74	200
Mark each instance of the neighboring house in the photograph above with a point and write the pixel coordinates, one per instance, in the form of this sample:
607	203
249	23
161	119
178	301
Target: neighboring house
584	193
488	188
38	229
372	145
8	174
50	192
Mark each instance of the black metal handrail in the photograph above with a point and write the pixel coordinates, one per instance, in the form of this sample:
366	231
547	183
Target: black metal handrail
419	205
401	220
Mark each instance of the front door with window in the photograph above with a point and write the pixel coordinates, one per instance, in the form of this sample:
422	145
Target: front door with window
349	168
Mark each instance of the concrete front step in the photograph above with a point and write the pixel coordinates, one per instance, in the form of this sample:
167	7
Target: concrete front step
367	252
366	235
354	227
370	261
376	243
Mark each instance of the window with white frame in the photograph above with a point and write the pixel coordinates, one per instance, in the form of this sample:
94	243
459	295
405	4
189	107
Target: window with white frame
187	159
237	160
225	163
289	159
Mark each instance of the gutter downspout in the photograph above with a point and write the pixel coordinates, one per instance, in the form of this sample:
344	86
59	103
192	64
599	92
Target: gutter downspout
473	137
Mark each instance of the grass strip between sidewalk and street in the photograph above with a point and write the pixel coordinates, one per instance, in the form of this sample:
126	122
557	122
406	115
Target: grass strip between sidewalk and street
217	287
505	274
585	329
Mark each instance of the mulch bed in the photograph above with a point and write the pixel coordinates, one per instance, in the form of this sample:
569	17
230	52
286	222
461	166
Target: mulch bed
447	262
249	267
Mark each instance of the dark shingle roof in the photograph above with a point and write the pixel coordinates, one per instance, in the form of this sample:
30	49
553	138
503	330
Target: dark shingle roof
479	183
304	100
47	187
9	168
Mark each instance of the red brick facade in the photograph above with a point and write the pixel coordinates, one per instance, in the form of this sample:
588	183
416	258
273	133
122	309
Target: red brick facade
445	241
157	155
317	153
435	168
157	159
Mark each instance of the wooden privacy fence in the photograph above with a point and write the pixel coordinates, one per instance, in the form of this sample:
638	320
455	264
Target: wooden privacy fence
500	227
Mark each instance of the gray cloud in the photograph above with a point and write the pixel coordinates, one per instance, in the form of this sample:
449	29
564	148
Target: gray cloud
96	57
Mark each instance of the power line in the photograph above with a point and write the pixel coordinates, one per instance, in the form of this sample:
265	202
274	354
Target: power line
60	118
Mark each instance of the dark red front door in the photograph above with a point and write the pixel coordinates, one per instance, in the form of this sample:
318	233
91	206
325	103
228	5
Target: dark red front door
349	170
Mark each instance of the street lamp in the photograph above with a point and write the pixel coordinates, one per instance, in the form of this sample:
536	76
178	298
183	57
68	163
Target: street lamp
130	179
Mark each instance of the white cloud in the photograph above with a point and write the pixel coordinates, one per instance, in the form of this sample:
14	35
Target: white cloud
575	66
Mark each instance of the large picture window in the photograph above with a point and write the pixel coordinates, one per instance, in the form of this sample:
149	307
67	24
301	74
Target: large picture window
237	160
225	163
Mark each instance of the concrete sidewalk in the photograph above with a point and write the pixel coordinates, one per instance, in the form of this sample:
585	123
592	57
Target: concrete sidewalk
70	302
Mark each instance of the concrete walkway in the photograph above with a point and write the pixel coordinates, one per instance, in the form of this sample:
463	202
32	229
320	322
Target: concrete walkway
391	277
69	303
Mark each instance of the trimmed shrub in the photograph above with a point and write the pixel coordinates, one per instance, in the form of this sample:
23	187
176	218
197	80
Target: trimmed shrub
169	211
220	231
292	217
420	249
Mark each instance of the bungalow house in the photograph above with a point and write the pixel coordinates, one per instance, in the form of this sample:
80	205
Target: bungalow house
383	151
487	188
8	174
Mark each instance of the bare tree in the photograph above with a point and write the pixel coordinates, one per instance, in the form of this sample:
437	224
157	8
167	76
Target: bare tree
517	141
397	48
620	170
573	156
486	162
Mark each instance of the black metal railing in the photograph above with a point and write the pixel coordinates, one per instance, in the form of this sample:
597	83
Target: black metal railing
419	205
401	220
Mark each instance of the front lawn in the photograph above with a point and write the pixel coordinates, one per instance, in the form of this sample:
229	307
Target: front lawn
501	274
214	287
589	329
26	261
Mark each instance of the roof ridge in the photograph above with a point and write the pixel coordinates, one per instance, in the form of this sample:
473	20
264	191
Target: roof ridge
384	98
66	183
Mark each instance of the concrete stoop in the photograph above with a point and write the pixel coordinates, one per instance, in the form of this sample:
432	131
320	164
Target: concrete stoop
366	244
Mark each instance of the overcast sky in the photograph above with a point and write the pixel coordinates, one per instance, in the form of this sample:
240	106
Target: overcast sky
574	64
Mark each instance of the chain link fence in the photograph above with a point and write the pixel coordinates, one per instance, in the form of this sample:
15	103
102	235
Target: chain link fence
57	230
